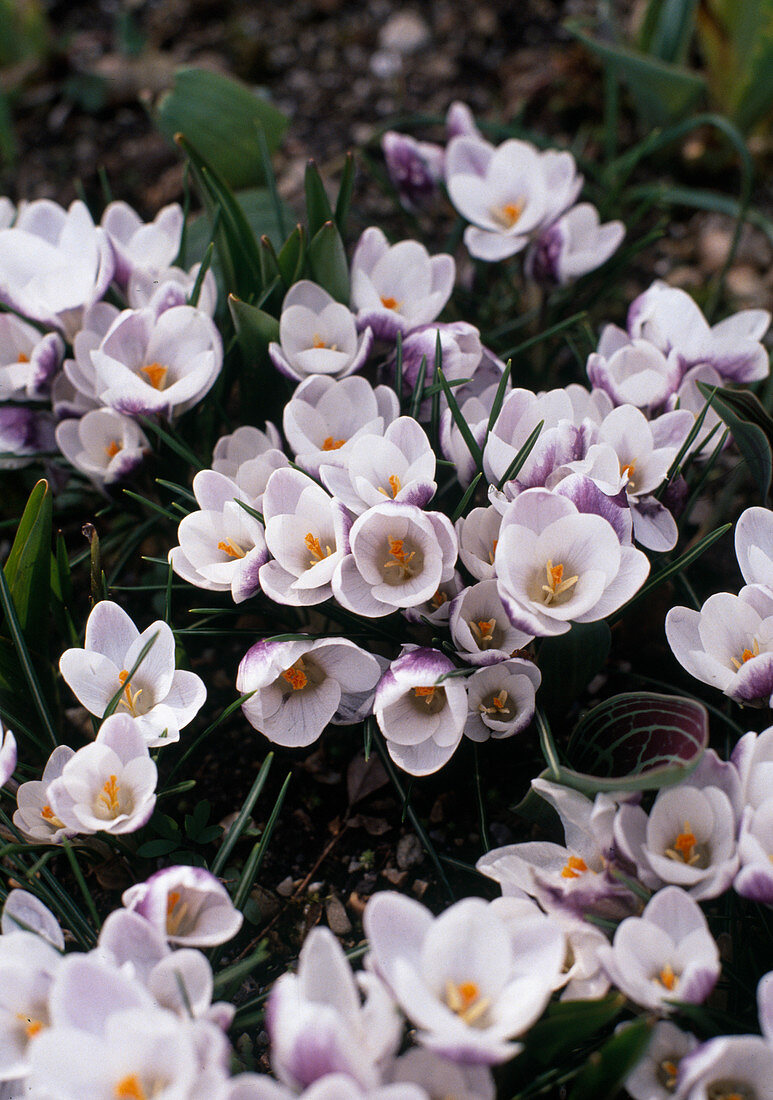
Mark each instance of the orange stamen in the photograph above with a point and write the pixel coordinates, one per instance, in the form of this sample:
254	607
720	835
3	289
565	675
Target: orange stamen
315	547
426	693
390	303
508	214
109	796
318	342
667	977
684	844
574	867
156	375
47	813
112	449
331	444
747	654
130	1088
230	548
23	358
295	678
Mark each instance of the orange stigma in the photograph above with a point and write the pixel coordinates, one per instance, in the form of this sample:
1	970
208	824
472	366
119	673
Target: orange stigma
330	444
390	303
295	678
112	449
156	375
130	1088
574	867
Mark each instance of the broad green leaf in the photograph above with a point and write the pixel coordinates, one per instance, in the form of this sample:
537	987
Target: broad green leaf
28	569
293	256
569	662
667	29
636	741
602	1076
318	209
736	41
220	116
565	1024
662	92
752	429
255	330
327	262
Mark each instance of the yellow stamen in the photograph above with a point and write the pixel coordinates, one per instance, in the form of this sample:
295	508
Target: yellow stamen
31	1027
556	585
493	551
439	599
497	705
110	796
667	978
747	654
684	846
175	912
112	449
315	547
508	214
131	696
331	444
574	867
295	677
465	1000
425	693
231	548
390	303
670	1072
156	375
48	815
628	471
130	1088
484	629
402	559
394	485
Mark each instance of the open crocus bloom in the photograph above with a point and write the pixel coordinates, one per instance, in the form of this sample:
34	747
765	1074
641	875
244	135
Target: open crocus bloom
732	1067
656	1074
666	954
158	698
469	981
728	643
104	445
300	686
150	363
136	245
573	245
480	628
187	905
396	288
318	1025
556	565
54	263
500	699
109	785
28	361
34	817
28	964
222	546
317	335
754	545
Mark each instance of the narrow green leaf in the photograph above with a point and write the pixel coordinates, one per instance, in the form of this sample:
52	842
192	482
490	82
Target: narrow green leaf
345	193
28	668
566	1024
752	429
240	823
255	329
195	294
270	179
256	856
28	569
418	389
515	466
499	396
327	262
464	428
318	209
469	492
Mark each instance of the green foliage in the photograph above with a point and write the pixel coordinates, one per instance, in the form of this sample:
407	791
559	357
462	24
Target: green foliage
752	429
736	40
603	1074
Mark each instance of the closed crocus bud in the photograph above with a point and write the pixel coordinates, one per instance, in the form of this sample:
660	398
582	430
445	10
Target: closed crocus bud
572	246
7	755
415	167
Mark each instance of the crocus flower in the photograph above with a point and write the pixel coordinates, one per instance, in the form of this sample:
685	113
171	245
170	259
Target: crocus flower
572	246
7	755
755	877
665	954
500	699
480	628
727	1067
24	433
222	547
249	457
317	335
754	545
442	1077
421	719
148	246
34	817
317	1024
556	565
300	686
171	286
414	167
54	264
28	361
151	363
109	785
187	905
79	370
28	964
478	534
396	288
104	445
23	912
158	698
656	1074
467	980
633	372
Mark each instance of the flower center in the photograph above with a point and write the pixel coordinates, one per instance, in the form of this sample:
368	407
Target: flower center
315	549
394	486
731	1090
556	586
509	214
496	705
231	548
112	449
684	847
483	631
23	358
667	1072
330	444
390	303
295	676
176	912
667	978
400	560
439	599
628	471
130	1088
574	867
492	551
747	654
156	375
432	698
318	342
48	814
109	799
465	1000
32	1026
131	697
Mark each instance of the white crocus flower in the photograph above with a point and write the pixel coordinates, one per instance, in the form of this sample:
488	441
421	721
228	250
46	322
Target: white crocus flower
397	465
399	557
307	532
754	545
421	716
79	370
728	643
23	912
186	905
324	417
171	286
150	363
573	245
442	1078
500	699
666	954
158	698
520	414
478	534
318	1024
556	565
109	785
300	686
317	335
222	547
732	1067
755	848
28	360
480	627
136	244
28	965
54	264
8	755
396	288
656	1074
249	457
104	445
34	817
470	981
633	372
